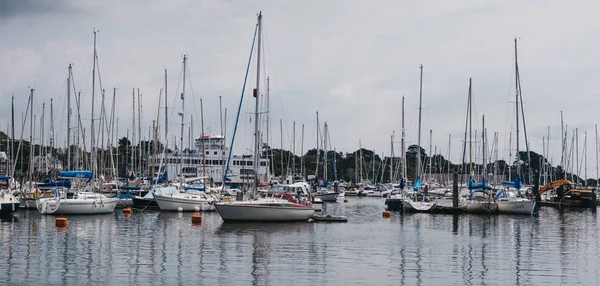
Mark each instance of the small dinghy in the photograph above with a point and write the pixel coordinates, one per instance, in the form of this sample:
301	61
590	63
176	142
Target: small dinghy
329	218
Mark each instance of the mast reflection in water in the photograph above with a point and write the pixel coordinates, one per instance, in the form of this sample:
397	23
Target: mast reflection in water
554	248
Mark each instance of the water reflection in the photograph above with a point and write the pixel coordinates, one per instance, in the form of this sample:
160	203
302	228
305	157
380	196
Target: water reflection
557	247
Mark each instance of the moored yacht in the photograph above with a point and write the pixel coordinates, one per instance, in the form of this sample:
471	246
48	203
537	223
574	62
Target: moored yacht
83	202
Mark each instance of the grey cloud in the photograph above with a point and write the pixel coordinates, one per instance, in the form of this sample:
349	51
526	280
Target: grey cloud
16	8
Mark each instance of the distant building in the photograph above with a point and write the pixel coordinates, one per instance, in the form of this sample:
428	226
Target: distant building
43	164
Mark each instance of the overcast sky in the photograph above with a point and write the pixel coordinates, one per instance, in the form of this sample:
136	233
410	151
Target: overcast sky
350	60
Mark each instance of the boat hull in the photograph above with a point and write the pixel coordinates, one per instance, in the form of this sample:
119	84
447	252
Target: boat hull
173	203
76	206
523	207
412	206
231	212
480	207
328	197
142	203
394	204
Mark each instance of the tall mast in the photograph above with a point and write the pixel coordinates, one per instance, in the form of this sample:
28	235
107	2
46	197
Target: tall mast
448	159
430	154
166	111
268	120
31	137
76	159
517	108
69	118
585	158
202	139
293	149
281	150
470	129
222	135
133	130
402	144
12	137
360	160
302	153
256	97
182	120
318	150
325	151
483	146
52	135
419	133
93	138
139	122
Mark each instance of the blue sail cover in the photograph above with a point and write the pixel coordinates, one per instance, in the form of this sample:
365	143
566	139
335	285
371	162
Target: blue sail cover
4	178
129	188
517	184
164	178
417	185
482	186
57	184
76	174
402	184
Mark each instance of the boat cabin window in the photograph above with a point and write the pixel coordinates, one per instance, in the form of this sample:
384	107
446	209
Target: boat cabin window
263	163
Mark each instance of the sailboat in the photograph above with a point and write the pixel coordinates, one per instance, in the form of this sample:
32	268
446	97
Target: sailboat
480	199
511	200
416	203
184	200
83	202
262	209
325	194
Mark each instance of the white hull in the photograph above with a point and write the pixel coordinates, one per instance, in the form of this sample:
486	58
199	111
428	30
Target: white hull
76	206
327	197
419	206
188	203
480	207
232	212
524	207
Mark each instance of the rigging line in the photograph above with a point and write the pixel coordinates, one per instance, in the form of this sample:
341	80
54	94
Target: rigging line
268	46
239	109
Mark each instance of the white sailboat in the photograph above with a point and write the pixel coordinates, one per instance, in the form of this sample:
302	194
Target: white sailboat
83	202
480	200
416	203
510	201
266	209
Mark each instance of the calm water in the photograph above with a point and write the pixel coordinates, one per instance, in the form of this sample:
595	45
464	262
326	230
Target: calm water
555	248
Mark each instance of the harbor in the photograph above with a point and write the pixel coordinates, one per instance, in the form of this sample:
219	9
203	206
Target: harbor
557	247
307	144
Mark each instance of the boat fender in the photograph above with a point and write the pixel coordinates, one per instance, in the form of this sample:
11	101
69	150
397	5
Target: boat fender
102	203
95	204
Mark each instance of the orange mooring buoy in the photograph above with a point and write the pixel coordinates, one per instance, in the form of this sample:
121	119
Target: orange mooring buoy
196	219
345	201
126	210
386	214
61	222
